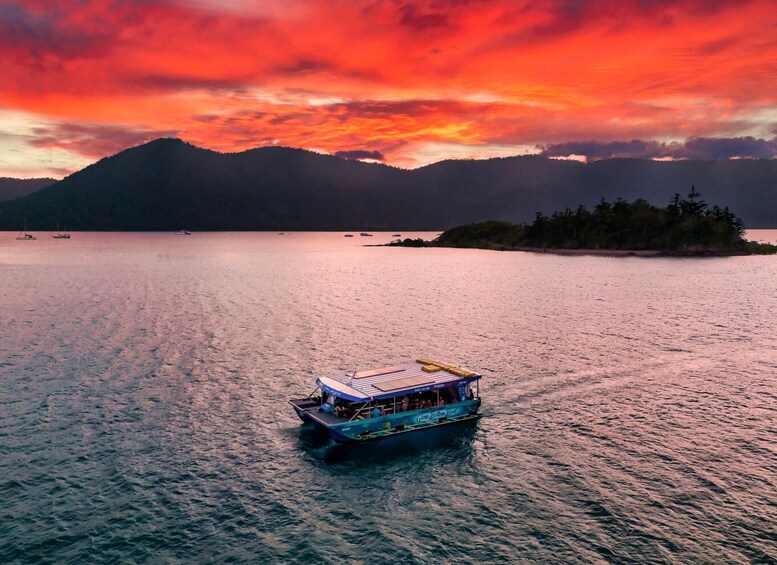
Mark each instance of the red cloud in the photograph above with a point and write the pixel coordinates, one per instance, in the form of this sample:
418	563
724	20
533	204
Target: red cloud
327	74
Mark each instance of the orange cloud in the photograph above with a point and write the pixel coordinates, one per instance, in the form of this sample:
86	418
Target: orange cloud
394	77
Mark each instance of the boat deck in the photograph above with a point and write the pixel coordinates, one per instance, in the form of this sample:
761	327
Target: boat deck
386	382
325	417
311	408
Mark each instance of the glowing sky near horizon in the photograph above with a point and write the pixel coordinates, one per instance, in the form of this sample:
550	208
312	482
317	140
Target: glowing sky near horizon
405	82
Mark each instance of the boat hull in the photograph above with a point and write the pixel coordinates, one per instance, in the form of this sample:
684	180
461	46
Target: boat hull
371	429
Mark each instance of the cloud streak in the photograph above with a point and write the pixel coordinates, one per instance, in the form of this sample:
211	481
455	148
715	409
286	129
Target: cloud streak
696	148
92	140
359	154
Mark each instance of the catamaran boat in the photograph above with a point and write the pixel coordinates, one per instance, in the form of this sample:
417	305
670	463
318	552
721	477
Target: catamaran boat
365	234
59	234
367	405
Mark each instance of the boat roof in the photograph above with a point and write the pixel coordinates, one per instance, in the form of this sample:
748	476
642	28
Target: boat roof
396	380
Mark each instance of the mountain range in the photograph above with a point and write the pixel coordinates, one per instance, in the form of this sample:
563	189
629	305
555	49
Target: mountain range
168	184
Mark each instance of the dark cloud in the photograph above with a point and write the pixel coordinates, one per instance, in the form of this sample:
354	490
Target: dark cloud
732	147
280	119
410	107
412	17
596	150
695	148
360	154
563	17
93	140
308	66
181	82
718	46
39	35
304	66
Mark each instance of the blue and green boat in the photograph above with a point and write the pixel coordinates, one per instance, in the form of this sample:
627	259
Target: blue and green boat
378	403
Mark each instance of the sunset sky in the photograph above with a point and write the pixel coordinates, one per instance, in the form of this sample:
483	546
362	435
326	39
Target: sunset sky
407	83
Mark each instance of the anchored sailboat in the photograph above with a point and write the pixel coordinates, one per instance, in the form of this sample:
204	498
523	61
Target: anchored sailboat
23	235
60	235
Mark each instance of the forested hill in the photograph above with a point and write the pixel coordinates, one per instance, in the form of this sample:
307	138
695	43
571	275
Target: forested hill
168	184
686	226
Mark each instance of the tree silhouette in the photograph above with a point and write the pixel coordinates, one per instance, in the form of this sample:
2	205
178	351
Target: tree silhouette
684	225
693	206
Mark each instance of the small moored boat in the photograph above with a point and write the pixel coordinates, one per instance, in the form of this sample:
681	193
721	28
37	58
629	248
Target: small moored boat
24	235
367	405
59	234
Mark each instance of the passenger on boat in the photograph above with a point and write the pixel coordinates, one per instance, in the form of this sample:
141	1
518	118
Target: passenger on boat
471	394
441	402
375	412
405	403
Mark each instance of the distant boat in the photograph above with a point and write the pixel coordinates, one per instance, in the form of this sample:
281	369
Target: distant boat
280	233
60	235
183	232
365	234
348	235
23	235
397	235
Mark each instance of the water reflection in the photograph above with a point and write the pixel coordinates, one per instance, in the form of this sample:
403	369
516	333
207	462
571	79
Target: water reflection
628	403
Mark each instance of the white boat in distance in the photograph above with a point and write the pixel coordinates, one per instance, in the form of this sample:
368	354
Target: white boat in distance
60	235
183	232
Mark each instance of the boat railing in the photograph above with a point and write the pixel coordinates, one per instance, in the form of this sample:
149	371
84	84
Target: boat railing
364	411
358	410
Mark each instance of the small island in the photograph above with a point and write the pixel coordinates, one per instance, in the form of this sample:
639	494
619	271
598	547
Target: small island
686	227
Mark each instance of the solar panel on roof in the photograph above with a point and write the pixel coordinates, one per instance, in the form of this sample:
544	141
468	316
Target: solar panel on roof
377	372
407	382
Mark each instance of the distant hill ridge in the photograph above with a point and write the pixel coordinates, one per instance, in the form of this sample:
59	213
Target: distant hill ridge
168	184
11	188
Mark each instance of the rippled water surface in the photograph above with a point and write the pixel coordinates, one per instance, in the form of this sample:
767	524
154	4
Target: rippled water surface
630	405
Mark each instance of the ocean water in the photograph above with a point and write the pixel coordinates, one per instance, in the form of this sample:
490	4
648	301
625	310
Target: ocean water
629	404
